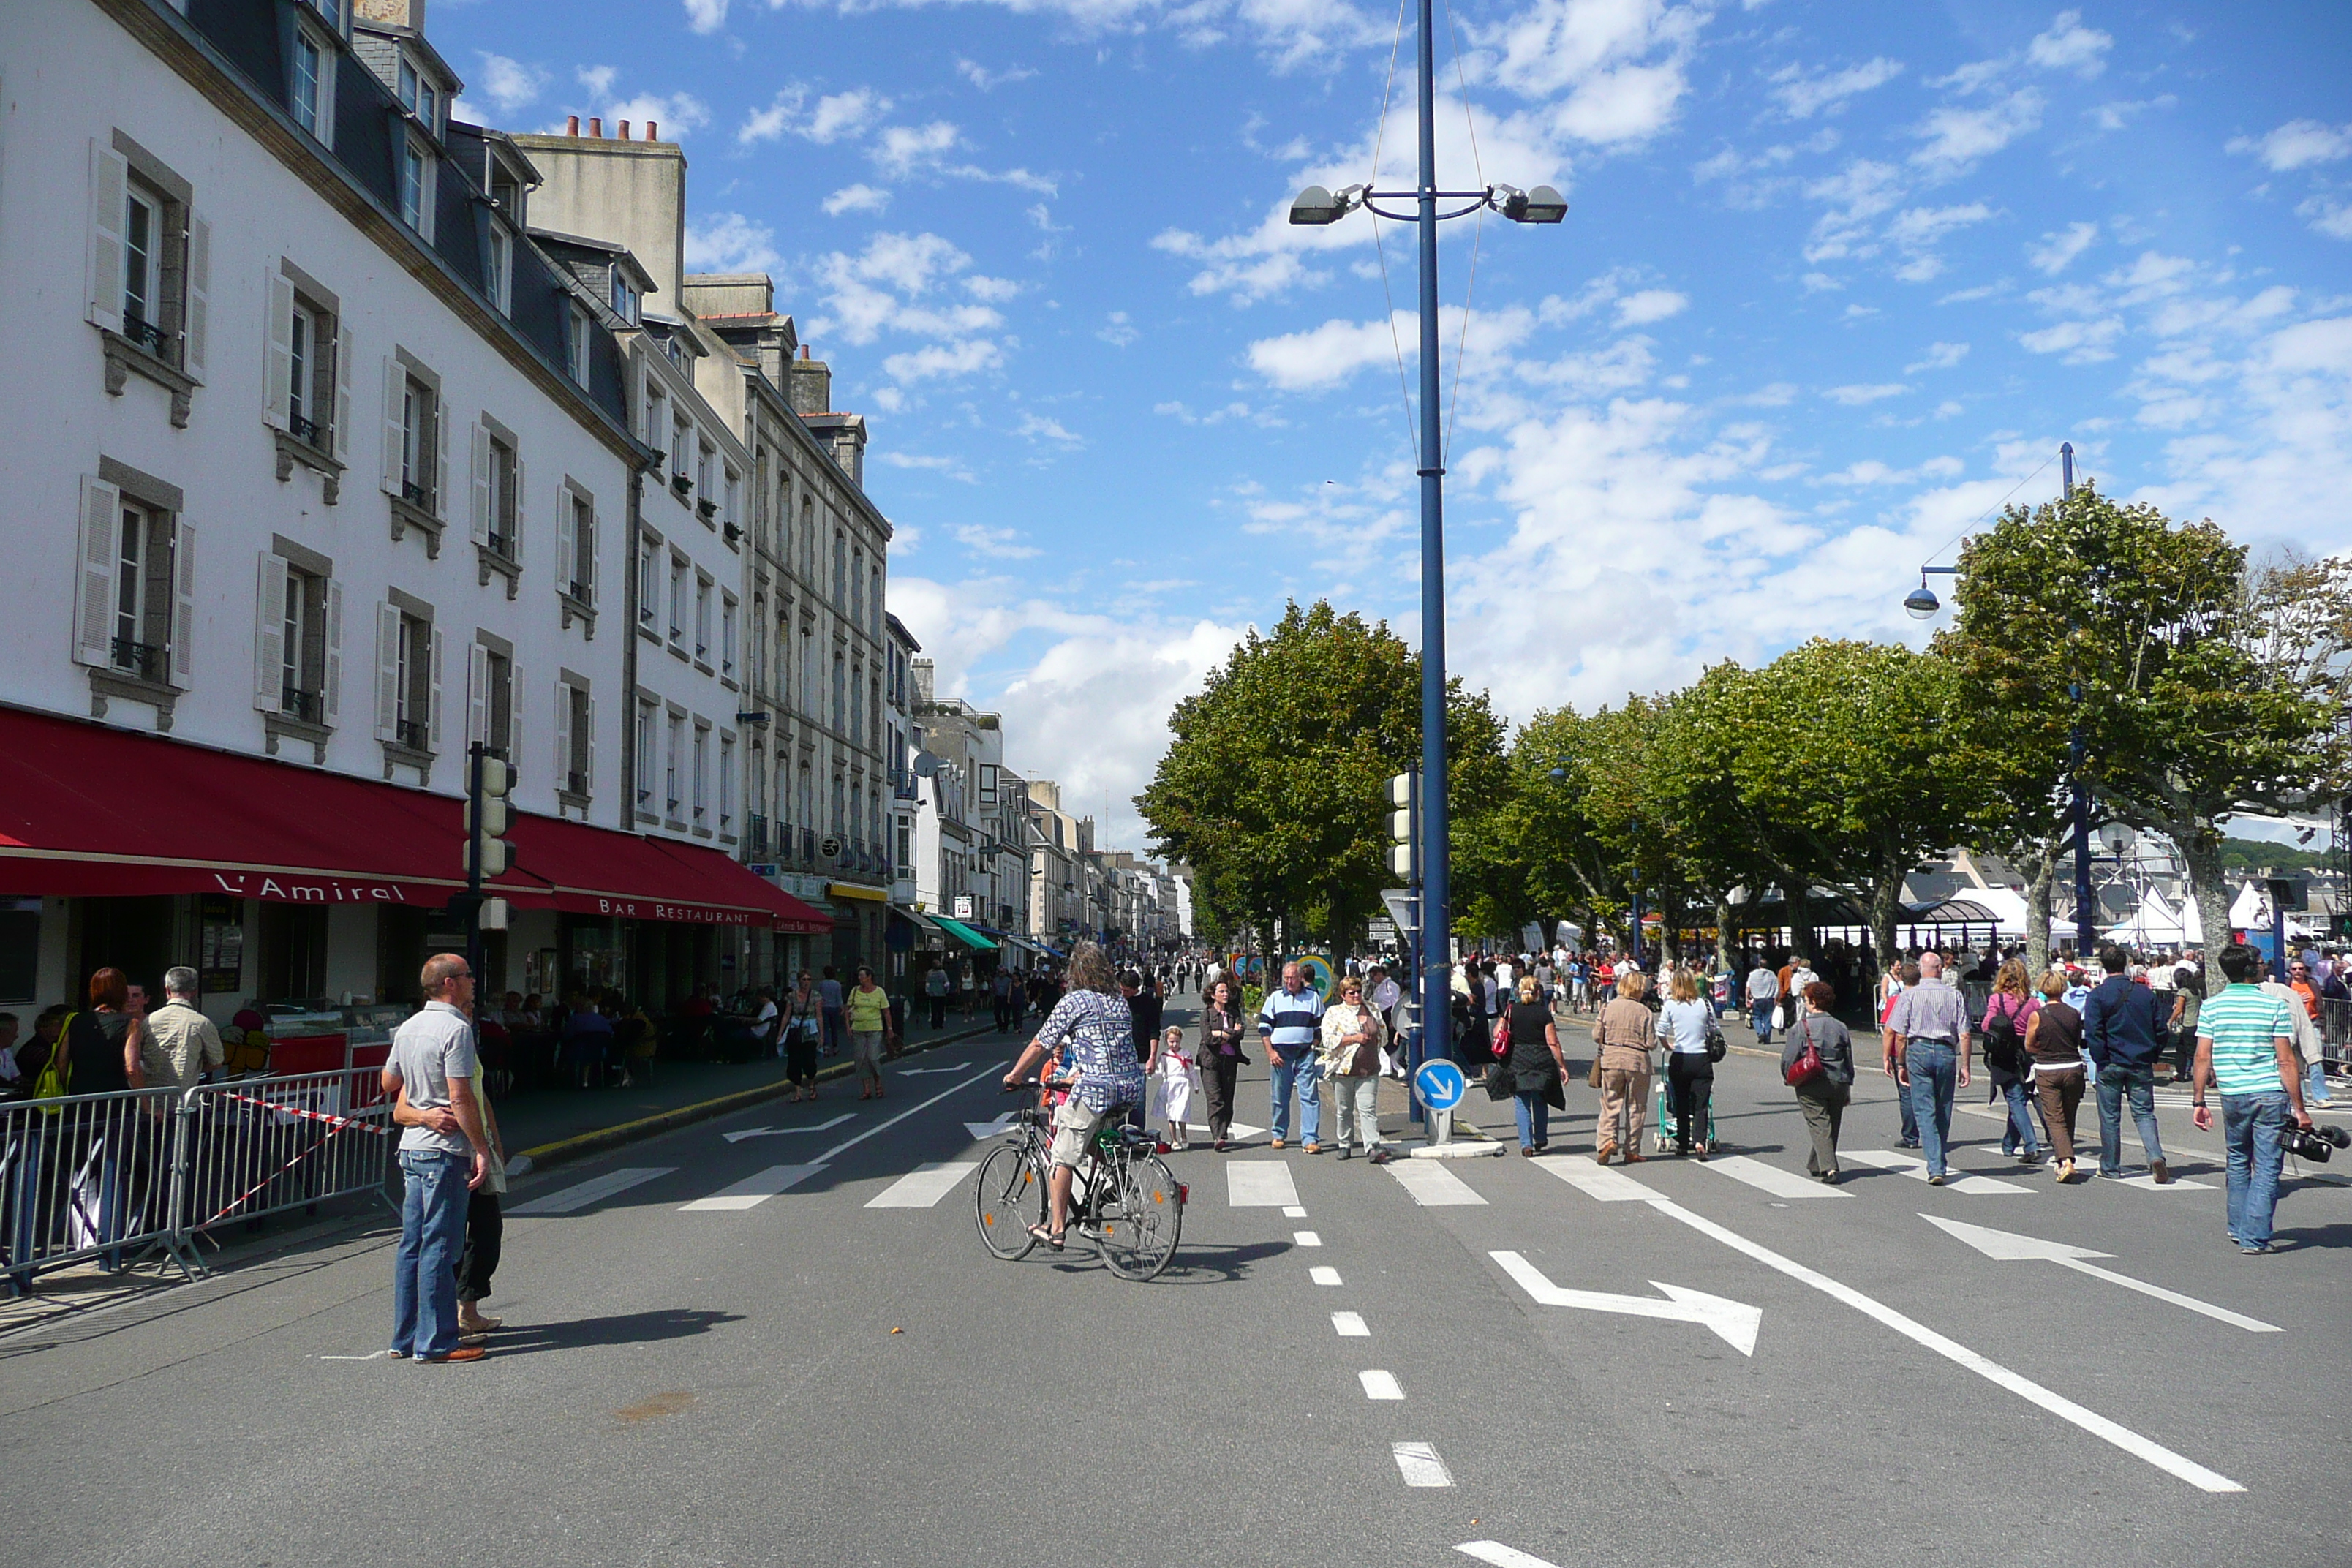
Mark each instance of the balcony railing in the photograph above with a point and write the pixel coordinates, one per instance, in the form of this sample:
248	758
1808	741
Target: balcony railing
143	660
307	429
147	335
756	836
414	494
413	734
297	703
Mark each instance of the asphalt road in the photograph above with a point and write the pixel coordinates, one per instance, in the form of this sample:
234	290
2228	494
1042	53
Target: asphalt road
801	1378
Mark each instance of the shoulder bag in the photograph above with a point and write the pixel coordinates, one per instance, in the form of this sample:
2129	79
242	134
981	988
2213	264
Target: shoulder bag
1717	1046
1808	1065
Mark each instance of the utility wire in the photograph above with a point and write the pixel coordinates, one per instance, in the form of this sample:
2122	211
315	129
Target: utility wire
1379	247
1995	507
1477	237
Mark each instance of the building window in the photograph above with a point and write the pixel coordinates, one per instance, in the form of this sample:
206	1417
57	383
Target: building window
501	269
726	638
703	485
646	719
657	417
857	589
988	784
298	641
575	345
674	766
727	784
679	575
140	634
840	571
906	848
575	738
408	694
412	436
681	453
310	371
624	296
576	548
143	267
840	693
419	171
491	700
504	498
701	619
311	91
650	586
702	775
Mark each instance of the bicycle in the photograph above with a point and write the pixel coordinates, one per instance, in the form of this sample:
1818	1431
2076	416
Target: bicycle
1123	1197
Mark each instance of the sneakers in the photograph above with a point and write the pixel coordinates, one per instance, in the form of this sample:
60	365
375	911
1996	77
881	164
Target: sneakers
1346	1152
2156	1169
2256	1249
1935	1178
462	1352
1310	1147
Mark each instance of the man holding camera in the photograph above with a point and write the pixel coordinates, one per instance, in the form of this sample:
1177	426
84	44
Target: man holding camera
2245	1048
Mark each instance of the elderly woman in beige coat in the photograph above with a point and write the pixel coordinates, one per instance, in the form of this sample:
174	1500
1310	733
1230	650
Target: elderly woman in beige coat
1349	1055
1622	1035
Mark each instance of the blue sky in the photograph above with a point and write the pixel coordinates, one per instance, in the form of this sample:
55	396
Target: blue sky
1834	281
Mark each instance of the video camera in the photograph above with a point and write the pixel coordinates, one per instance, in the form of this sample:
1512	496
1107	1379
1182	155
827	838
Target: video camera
2315	1144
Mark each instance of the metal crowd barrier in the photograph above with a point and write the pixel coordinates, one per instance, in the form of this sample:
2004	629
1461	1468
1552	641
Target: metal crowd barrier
108	1176
2336	1034
87	1176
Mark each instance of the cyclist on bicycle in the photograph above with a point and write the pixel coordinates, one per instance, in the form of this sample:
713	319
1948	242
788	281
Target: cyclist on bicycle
1092	1026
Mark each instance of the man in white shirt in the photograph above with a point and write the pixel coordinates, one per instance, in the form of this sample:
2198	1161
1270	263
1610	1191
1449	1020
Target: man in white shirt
433	1059
1763	995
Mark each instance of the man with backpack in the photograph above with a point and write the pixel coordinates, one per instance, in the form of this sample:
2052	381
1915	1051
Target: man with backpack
2123	1035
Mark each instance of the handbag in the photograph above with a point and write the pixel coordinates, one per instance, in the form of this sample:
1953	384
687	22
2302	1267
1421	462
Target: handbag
1501	1081
1501	1042
1717	1046
1808	1065
55	1080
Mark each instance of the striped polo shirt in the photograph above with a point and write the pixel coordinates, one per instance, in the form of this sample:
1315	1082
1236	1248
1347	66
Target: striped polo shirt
1291	1024
2244	1023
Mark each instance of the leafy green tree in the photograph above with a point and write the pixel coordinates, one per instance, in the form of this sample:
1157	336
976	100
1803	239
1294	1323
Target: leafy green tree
2208	689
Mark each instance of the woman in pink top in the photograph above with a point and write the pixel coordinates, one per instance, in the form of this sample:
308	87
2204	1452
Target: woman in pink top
2007	1014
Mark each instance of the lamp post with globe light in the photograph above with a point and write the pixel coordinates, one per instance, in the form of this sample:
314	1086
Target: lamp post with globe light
1316	205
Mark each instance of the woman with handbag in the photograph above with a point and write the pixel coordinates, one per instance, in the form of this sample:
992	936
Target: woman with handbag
1533	1061
1687	1028
804	1029
1621	1069
1221	1059
1817	1061
1350	1054
2007	1015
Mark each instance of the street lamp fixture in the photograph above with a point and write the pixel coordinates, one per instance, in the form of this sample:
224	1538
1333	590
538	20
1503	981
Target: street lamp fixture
1316	206
1921	602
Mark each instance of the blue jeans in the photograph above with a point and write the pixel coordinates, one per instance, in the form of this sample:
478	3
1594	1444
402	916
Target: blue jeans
432	1235
1760	1014
2115	1081
1304	1074
1932	1065
2019	1136
2314	1088
2251	1126
1534	1112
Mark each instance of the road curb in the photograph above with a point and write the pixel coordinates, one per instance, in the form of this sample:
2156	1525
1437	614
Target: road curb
603	1138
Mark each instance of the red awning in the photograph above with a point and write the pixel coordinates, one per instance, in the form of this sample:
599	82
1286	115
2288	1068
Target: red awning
86	811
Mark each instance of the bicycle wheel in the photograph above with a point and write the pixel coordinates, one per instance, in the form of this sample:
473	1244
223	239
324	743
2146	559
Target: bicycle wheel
1142	1219
1008	1201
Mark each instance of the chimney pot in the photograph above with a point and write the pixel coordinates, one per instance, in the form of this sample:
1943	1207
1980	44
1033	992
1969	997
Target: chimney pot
595	126
571	125
624	130
652	126
804	351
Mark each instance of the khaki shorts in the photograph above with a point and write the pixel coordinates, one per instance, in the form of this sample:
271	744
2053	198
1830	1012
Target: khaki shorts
1073	1127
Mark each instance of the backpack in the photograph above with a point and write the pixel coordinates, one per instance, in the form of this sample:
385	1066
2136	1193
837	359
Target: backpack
2004	1048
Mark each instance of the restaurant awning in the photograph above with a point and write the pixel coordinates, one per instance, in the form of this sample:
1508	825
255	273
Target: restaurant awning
88	811
964	934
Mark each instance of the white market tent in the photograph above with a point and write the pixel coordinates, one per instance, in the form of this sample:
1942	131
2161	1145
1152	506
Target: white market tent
2158	924
2251	912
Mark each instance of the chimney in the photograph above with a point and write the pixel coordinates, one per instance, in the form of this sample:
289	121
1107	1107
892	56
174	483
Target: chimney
812	385
623	190
922	670
651	127
392	13
571	125
624	130
595	126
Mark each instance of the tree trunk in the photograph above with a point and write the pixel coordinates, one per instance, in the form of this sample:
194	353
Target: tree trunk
1723	936
1800	919
2037	906
2209	885
1885	903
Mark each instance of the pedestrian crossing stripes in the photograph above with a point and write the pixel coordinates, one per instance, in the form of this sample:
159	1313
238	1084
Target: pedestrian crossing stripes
924	1186
1433	1185
1772	1179
1907	1165
751	1191
1260	1184
1594	1181
569	1200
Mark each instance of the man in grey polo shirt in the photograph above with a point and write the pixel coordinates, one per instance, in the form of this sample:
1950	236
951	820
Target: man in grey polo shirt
440	1163
1929	1030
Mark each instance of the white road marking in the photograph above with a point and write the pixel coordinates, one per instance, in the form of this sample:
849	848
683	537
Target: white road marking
1259	1185
1500	1555
1419	1465
589	1190
1594	1181
923	1186
1236	1131
911	1111
1889	1159
1294	1211
1781	1184
1734	1322
1380	1385
2007	1247
751	1191
2025	1388
1434	1185
997	1128
377	1355
2182	1184
1350	1326
1306	1238
926	1072
780	1131
1324	1276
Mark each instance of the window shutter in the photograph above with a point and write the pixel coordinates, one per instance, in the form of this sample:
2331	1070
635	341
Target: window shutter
583	566
183	602
563	735
101	517
109	181
432	716
387	671
522	490
567	542
481	483
330	703
516	688
396	430
588	773
341	434
440	458
478	694
276	409
269	634
198	315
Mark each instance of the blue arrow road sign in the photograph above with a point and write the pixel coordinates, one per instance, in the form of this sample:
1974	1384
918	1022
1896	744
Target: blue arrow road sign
1441	1084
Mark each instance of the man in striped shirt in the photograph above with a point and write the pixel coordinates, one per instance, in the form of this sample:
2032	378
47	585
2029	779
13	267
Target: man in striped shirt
1290	1021
2245	1049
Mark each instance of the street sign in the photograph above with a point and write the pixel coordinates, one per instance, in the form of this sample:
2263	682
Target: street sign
1441	1084
1404	907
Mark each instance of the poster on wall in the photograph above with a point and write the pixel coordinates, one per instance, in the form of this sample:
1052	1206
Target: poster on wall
220	947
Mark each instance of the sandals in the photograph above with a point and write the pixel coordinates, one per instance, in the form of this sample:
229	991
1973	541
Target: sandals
1053	1238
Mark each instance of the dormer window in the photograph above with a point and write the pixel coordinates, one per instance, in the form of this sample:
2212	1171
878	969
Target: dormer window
419	96
332	11
419	171
310	82
624	297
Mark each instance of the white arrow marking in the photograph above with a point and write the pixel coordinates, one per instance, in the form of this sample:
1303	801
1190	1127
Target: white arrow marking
919	1072
990	1129
780	1131
1734	1322
1500	1555
2006	1247
1238	1132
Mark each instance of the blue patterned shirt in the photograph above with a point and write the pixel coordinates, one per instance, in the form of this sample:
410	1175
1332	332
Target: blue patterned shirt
1100	1034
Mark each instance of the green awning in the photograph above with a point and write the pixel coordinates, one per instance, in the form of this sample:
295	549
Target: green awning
964	933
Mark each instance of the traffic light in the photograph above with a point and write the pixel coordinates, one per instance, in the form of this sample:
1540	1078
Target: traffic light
1403	792
489	817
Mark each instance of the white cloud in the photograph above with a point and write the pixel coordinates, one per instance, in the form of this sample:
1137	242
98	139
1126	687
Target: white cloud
995	290
857	198
840	116
1039	428
1939	356
937	362
1870	471
945	468
1328	355
729	242
1957	138
1802	96
509	85
1117	329
706	16
1920	226
2330	217
2297	144
1856	395
1650	305
999	544
902	149
987	80
682	113
2070	46
1606	71
2058	250
2082	342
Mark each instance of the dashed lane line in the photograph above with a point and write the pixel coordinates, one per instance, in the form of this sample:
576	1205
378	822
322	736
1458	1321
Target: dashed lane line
1350	1326
1306	1238
1419	1465
1324	1276
1380	1385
